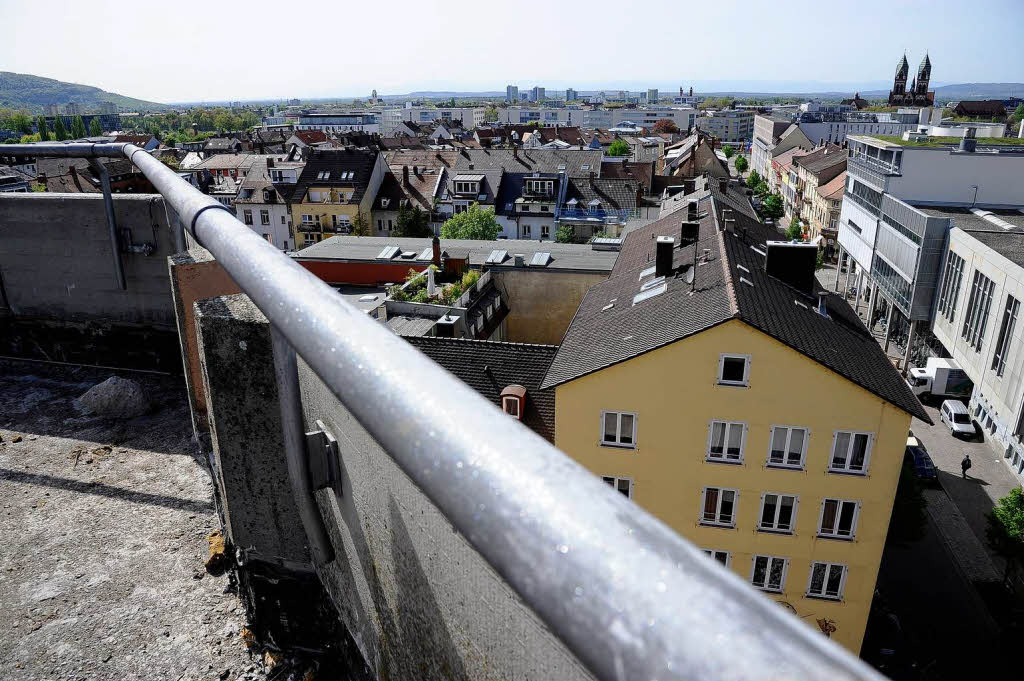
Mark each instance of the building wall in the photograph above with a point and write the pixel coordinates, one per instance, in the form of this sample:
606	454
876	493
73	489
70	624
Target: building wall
542	304
673	392
279	229
1000	397
940	176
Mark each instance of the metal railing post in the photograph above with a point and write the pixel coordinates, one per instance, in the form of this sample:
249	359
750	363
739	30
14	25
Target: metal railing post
108	205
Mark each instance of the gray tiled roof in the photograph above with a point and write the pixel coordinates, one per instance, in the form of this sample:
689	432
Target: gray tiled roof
489	367
600	336
577	162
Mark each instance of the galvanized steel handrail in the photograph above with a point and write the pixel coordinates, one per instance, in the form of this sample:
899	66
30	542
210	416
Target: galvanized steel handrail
627	595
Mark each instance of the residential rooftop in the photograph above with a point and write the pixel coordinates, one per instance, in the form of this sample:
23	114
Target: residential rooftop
894	140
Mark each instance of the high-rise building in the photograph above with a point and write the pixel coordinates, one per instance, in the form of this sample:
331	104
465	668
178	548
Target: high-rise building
511	93
73	108
652	95
571	95
537	94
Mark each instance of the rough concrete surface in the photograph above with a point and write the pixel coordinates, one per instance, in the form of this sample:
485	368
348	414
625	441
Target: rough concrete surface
104	525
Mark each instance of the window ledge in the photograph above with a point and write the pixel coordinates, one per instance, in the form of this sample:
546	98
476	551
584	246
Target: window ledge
838	471
769	530
834	537
783	466
614	445
708	523
817	597
727	384
731	462
767	590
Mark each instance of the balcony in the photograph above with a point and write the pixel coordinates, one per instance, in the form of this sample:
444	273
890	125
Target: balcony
611	216
377	504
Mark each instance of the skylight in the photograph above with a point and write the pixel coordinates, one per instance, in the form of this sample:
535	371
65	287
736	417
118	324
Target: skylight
540	259
388	252
650	293
646	286
497	257
427	254
648	272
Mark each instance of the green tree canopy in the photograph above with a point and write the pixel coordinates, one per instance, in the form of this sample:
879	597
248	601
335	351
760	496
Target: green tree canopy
772	207
1005	530
44	136
666	125
59	133
728	150
565	234
95	129
473	223
491	114
795	231
753	179
77	127
21	122
412	222
618	148
741	164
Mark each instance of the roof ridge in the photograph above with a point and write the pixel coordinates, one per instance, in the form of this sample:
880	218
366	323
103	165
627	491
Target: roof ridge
445	339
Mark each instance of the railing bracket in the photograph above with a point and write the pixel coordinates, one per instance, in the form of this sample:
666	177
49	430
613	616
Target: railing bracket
322	458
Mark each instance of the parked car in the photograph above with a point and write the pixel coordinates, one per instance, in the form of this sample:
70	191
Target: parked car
956	417
923	466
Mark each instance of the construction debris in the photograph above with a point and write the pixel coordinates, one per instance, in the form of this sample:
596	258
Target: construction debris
116	397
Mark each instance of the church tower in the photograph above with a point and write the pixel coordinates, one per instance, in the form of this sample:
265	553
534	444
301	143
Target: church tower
924	74
899	86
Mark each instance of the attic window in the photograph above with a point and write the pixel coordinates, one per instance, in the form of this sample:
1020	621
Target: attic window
384	203
648	272
741	267
585	166
513	398
650	292
323	175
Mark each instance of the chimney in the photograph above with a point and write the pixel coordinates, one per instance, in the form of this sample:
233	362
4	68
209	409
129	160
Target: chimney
270	163
445	326
723	184
968	143
520	260
730	225
435	245
405	176
663	256
792	263
689	232
515	152
591	179
691	211
822	303
639	195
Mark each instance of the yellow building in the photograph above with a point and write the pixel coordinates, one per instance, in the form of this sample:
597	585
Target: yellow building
720	399
335	186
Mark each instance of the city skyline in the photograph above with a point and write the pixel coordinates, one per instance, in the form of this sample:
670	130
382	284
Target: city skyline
711	61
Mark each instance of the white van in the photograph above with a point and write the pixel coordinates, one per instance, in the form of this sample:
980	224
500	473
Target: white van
956	417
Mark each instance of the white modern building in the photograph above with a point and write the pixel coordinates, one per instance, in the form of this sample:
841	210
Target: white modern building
977	319
645	117
731	126
342	121
894	222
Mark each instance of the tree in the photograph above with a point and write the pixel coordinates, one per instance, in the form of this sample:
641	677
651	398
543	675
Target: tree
741	164
772	207
21	122
491	114
95	129
1005	530
44	136
59	133
753	179
412	222
77	127
795	231
360	224
728	150
762	190
618	148
1018	114
665	125
473	223
565	234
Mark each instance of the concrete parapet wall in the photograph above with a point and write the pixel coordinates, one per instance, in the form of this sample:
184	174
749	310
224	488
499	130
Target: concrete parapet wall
419	601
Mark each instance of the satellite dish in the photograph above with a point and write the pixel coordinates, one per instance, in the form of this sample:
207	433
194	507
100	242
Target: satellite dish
689	274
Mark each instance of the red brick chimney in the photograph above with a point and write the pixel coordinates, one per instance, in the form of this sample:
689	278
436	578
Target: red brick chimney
435	244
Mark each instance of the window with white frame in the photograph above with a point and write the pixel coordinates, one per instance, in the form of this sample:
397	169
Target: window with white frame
951	278
545	231
618	429
838	518
725	441
623	485
721	556
247	215
826	580
510	404
307	219
718	507
526	231
768	573
850	451
460	207
788	447
734	369
264	217
323	174
1005	335
778	513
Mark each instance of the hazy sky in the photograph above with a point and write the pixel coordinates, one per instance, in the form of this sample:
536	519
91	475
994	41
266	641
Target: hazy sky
193	51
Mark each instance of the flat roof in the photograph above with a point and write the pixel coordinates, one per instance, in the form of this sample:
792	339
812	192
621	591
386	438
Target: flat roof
565	257
1000	229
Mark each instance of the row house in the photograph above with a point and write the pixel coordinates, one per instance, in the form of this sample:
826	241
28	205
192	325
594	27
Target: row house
814	169
262	200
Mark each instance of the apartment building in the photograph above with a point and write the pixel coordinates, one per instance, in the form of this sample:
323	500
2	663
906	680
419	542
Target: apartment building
885	225
511	93
644	117
334	187
731	126
263	196
342	121
674	383
826	204
773	137
980	291
812	170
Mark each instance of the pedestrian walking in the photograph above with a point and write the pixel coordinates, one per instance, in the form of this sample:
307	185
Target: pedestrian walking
965	465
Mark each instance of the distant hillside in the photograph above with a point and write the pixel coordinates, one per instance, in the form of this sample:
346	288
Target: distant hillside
22	91
953	93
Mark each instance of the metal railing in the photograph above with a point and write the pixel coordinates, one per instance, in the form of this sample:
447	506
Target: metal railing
626	594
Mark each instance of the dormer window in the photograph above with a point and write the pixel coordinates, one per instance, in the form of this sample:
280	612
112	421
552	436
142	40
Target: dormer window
594	206
513	399
323	175
384	203
266	196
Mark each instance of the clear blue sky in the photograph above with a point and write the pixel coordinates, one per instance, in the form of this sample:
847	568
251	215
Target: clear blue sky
190	51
